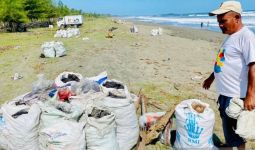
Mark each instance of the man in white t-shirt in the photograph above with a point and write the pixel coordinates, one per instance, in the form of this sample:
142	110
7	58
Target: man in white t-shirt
234	69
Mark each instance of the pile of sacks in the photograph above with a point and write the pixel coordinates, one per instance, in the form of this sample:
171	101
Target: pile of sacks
70	32
53	49
72	112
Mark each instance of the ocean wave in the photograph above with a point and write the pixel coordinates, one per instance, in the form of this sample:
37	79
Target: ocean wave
193	20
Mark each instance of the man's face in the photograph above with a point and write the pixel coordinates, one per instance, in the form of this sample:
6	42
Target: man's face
228	22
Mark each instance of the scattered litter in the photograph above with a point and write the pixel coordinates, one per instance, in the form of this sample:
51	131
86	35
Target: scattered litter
134	29
155	32
50	26
118	21
196	78
17	76
113	28
136	44
85	38
17	47
110	34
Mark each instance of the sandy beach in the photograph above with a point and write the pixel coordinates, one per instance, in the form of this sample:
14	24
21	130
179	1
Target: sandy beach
167	68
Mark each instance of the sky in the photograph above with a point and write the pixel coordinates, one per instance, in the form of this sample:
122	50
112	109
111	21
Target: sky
149	7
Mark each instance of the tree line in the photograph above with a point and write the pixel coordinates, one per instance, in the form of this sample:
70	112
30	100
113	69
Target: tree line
15	13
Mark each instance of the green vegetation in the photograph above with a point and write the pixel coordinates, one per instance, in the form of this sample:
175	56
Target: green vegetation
15	13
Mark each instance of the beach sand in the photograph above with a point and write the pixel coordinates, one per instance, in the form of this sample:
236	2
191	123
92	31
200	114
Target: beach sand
167	68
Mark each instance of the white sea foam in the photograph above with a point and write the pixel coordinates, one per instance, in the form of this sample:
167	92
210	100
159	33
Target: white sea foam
194	20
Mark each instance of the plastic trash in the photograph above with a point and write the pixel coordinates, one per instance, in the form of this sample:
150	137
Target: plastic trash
41	84
101	78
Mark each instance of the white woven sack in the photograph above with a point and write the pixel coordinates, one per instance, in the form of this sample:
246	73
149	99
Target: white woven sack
64	135
52	115
49	52
101	132
59	48
193	130
126	119
23	130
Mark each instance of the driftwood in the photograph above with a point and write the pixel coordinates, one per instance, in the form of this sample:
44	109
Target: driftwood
144	101
141	142
143	104
146	137
155	129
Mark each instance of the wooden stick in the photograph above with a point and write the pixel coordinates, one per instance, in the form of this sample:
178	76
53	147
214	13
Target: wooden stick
155	105
144	101
155	130
141	144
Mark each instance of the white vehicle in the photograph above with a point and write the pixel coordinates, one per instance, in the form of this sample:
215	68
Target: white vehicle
75	20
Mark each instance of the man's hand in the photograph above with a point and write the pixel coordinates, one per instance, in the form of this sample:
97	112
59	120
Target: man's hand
249	103
207	83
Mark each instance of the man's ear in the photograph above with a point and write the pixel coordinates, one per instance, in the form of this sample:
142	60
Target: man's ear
238	17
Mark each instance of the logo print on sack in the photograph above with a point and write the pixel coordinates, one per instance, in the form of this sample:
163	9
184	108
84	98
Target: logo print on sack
219	61
178	136
194	131
210	141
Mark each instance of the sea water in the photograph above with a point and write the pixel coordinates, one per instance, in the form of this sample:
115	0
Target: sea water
193	20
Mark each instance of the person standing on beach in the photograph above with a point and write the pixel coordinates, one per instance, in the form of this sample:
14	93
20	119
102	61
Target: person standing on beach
234	69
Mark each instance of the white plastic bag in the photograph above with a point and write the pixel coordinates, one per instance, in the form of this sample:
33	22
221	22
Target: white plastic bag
100	78
148	119
235	108
246	125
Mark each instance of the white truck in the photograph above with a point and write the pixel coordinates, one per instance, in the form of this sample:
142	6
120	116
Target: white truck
75	20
